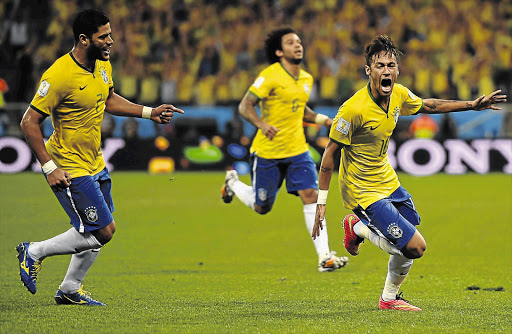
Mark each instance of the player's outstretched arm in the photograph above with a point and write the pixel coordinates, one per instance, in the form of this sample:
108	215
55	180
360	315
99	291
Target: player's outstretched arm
58	179
437	106
119	106
313	117
247	109
324	179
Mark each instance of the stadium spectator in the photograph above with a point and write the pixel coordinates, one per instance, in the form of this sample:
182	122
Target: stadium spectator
279	151
76	91
383	210
333	30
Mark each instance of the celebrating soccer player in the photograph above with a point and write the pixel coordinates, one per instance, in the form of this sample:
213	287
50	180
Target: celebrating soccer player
76	91
384	211
279	150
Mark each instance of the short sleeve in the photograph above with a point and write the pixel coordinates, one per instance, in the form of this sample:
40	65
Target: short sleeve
343	126
411	104
50	93
262	86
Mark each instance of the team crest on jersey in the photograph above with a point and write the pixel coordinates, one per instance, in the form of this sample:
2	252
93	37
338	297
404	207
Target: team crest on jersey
343	126
43	88
306	88
91	213
262	194
395	231
104	75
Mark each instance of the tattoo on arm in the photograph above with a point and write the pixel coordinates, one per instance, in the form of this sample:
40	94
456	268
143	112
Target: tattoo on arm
325	169
433	105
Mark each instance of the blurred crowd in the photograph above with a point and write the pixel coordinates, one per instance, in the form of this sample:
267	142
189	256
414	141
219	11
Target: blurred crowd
206	52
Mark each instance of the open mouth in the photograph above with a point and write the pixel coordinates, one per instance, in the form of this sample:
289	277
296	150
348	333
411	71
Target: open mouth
386	85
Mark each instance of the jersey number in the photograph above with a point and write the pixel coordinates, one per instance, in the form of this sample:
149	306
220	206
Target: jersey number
384	147
295	105
100	97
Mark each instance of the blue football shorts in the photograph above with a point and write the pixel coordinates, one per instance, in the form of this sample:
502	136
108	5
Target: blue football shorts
267	176
88	201
393	217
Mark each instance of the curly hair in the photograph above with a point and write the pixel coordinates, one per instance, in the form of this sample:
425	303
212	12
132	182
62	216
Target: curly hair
379	44
274	43
87	22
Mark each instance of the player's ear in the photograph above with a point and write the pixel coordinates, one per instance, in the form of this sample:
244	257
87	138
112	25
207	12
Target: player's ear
83	39
279	53
367	70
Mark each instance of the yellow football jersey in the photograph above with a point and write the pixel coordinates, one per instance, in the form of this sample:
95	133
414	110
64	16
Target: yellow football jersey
283	99
75	98
365	128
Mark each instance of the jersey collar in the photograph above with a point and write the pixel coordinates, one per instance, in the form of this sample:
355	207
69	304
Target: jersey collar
81	66
373	98
284	69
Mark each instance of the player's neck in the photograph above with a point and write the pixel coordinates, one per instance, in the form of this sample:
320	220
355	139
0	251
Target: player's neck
382	101
81	57
293	69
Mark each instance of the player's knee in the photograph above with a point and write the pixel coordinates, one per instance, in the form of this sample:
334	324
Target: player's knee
416	251
105	234
262	209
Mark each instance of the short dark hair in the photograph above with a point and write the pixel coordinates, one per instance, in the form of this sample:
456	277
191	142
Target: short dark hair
274	43
379	44
87	22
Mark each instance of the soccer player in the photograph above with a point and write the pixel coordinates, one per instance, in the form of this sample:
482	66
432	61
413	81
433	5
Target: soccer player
383	210
76	91
279	150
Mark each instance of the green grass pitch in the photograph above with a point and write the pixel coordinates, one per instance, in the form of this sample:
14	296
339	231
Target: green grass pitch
182	261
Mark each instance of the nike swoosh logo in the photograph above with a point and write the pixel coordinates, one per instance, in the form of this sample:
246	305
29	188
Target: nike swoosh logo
374	127
82	88
73	301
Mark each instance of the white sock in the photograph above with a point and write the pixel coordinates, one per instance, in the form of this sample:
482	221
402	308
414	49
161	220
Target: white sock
244	192
364	232
69	242
321	242
398	268
361	230
78	268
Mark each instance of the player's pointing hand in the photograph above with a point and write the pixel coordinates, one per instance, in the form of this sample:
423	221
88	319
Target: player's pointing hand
164	113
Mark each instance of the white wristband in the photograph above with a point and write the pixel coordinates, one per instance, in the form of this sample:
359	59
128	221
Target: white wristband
322	196
146	112
320	119
49	167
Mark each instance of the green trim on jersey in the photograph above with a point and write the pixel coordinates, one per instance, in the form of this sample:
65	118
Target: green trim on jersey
282	103
75	98
365	128
294	78
76	62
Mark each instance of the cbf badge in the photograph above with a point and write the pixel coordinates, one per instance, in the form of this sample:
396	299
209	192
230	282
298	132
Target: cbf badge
262	194
395	231
91	214
104	75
